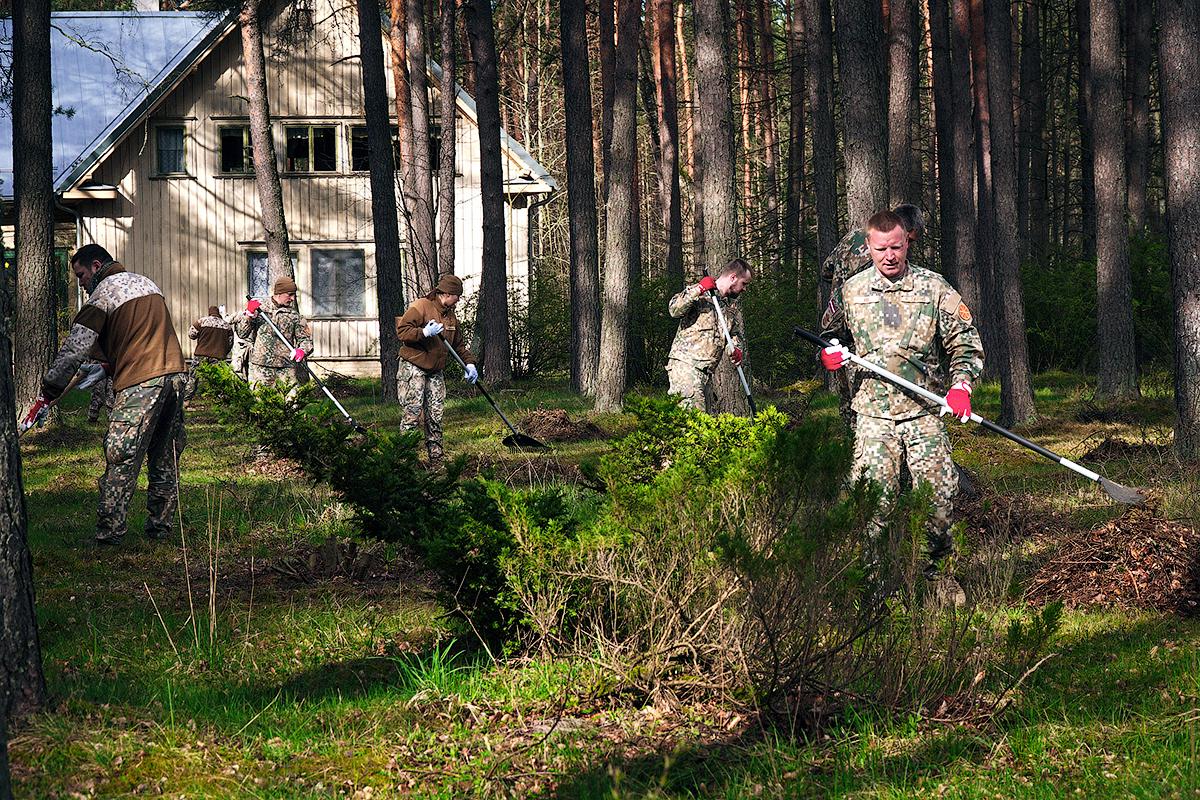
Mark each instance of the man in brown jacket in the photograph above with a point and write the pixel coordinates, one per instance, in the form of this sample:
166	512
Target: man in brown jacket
214	339
126	317
420	380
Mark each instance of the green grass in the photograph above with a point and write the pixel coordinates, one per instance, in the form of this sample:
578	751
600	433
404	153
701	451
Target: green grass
331	687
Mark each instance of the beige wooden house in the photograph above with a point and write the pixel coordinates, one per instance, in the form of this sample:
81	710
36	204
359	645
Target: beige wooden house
154	164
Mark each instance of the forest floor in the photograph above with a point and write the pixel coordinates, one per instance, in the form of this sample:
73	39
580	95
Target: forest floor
266	656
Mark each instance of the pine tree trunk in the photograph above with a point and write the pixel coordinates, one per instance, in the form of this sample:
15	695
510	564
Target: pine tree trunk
769	125
581	201
793	233
1027	78
33	196
492	322
1035	98
1139	47
746	62
943	113
902	81
1117	378
619	246
1085	110
389	287
859	41
961	143
398	14
1179	79
266	167
818	61
663	55
448	148
607	11
420	208
988	314
1016	387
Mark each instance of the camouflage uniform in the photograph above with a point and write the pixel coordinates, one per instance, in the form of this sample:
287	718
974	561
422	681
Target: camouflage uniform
905	326
420	391
270	359
103	397
850	257
698	346
146	422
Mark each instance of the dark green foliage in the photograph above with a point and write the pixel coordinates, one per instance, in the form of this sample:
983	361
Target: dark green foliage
1060	308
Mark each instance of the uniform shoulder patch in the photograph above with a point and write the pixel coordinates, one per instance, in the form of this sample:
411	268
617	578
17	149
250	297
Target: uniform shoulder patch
953	305
963	312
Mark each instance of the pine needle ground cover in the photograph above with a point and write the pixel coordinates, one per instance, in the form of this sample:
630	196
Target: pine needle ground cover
278	656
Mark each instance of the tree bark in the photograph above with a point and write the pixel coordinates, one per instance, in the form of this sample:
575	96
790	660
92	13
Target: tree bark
619	245
420	191
770	132
1117	378
793	237
663	56
943	114
1028	97
989	312
389	287
266	167
1085	110
859	41
745	62
398	14
902	81
607	10
1139	49
448	148
492	321
961	144
818	60
1016	387
33	196
22	686
717	189
1179	79
1035	103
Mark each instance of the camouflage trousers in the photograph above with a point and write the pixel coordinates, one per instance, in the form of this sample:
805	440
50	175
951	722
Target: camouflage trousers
692	384
260	375
102	397
880	445
422	392
146	422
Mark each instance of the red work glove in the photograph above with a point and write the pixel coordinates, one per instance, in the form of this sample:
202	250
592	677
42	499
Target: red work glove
707	284
252	308
298	354
958	401
37	413
833	357
108	368
735	355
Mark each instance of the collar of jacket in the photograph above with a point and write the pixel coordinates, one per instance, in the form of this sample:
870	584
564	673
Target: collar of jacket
882	284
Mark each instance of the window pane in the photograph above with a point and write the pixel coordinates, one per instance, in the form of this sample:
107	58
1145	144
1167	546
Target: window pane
297	149
359	158
324	149
339	283
170	149
233	150
260	273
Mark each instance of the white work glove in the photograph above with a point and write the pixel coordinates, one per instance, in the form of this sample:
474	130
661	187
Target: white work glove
471	374
433	328
93	373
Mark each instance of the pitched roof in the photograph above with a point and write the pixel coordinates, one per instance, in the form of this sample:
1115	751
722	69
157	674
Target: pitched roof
107	70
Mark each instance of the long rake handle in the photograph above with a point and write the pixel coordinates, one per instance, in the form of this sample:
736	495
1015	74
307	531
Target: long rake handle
941	403
729	341
479	385
271	323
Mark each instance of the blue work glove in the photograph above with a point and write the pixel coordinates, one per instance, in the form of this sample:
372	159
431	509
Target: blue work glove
433	328
471	374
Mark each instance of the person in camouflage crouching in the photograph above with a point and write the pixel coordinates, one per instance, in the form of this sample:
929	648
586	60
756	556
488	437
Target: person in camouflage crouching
126	318
699	341
214	339
103	396
850	257
420	378
902	317
272	361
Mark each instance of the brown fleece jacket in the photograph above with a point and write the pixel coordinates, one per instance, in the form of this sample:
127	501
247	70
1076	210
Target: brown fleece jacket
428	352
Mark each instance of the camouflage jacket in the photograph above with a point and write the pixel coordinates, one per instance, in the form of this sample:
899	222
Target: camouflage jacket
265	348
848	258
699	340
904	326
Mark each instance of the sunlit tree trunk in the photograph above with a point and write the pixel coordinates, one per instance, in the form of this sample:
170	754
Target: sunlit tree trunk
448	147
420	206
858	37
266	167
902	81
1179	77
663	56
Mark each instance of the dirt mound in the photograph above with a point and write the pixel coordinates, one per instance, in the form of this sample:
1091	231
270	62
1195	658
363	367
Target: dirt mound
1137	561
277	468
555	425
1111	449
